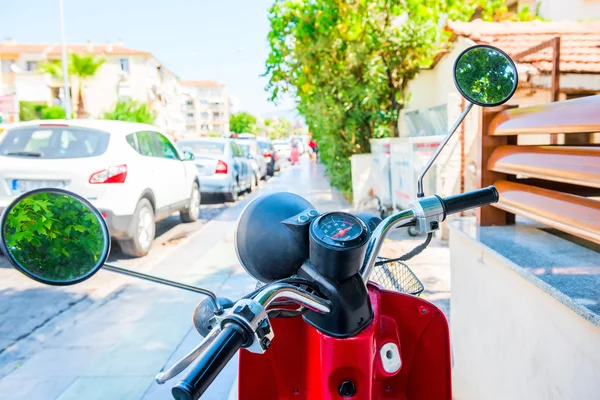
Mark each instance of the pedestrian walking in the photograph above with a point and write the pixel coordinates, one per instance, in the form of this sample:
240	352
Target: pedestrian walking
314	155
295	153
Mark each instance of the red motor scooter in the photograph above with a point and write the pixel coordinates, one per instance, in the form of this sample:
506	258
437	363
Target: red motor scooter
329	319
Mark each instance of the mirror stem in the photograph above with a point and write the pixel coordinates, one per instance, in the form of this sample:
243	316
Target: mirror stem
155	279
441	147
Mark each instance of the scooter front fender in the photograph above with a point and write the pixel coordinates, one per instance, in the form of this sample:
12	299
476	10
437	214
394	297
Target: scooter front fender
303	363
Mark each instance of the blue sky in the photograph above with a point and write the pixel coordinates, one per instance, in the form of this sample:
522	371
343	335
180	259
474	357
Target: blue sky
222	40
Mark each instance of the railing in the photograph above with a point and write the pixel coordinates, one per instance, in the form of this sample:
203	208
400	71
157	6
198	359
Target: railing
553	185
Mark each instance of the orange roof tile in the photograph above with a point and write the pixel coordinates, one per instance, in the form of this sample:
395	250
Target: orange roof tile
580	41
202	83
54	49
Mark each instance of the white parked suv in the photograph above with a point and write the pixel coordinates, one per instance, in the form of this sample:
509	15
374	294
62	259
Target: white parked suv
131	172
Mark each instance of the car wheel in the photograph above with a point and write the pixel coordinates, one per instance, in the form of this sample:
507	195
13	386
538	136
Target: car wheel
253	183
144	225
235	191
192	212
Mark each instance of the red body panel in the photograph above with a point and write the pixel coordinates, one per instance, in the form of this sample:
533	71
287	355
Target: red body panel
303	363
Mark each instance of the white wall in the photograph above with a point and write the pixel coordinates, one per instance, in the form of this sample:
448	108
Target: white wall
559	10
362	165
510	339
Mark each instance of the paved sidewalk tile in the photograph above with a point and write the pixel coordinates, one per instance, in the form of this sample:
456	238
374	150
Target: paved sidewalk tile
105	388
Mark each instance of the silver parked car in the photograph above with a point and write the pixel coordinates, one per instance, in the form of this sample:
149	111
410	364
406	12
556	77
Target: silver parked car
222	166
255	154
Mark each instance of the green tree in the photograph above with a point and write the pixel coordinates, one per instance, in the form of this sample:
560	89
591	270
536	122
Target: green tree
81	67
29	111
54	236
132	111
348	64
278	128
242	122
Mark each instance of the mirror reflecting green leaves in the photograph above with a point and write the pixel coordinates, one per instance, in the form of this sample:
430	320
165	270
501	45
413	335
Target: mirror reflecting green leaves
485	75
54	237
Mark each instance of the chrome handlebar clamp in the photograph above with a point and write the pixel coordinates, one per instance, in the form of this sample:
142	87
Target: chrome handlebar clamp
429	214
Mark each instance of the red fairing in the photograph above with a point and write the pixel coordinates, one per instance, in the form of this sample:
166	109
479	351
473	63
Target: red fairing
303	363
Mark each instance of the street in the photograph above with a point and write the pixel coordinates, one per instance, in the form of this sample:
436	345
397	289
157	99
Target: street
107	337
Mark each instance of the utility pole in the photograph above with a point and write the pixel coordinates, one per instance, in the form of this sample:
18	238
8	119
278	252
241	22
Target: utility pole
65	68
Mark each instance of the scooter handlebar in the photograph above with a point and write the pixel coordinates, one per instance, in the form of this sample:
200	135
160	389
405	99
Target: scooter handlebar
466	201
210	363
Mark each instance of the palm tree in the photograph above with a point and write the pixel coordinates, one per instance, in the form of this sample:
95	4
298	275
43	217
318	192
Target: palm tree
82	67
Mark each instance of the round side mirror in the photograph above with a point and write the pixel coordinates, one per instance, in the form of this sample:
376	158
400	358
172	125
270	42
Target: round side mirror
485	75
54	236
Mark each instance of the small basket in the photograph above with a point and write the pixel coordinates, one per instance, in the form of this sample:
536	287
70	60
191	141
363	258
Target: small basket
396	276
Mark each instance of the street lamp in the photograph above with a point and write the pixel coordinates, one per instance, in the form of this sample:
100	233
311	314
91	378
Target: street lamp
65	68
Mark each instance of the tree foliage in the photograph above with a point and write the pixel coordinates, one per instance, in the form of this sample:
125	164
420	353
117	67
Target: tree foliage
81	67
29	111
277	128
132	111
348	64
242	122
54	236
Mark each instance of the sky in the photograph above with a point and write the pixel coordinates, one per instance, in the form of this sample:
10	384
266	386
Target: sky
221	40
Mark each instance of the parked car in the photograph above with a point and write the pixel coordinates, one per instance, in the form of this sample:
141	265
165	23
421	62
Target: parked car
283	149
222	165
254	153
246	136
131	172
270	155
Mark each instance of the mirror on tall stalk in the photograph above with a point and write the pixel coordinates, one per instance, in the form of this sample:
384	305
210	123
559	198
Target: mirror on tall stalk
484	75
54	237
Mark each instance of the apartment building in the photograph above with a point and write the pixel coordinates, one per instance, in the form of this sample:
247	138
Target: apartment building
126	74
207	108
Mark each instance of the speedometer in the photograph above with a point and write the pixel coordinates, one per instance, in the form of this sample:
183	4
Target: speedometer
339	229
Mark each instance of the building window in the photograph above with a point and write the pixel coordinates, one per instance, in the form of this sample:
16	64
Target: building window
190	103
190	115
124	64
31	66
204	127
204	115
203	102
5	65
191	127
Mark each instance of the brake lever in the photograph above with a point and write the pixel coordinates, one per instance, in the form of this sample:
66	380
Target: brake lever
189	358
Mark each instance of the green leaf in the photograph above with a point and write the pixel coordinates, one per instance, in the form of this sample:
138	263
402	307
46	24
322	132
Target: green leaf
79	228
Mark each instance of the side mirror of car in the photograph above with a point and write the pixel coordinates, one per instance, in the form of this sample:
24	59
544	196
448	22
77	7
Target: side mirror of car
188	155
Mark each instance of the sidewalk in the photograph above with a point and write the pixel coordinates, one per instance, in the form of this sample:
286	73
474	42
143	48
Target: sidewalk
116	348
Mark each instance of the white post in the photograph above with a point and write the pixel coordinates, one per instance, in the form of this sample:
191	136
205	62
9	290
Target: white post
65	68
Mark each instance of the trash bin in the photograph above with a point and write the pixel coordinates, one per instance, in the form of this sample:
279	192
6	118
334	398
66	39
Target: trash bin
380	150
408	157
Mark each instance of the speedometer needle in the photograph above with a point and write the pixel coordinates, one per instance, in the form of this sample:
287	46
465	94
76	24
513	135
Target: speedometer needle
341	232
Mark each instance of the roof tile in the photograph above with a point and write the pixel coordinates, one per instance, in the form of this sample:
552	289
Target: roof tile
580	41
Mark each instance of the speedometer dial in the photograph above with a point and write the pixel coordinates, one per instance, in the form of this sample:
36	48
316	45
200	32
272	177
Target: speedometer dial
340	227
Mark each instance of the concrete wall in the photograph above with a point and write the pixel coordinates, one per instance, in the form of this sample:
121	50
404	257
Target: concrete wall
510	339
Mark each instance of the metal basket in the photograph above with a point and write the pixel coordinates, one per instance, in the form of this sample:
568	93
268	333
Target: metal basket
396	276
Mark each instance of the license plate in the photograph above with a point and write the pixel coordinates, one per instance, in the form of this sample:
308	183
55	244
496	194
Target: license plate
25	185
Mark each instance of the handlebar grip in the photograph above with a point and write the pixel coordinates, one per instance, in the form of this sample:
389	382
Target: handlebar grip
210	363
466	201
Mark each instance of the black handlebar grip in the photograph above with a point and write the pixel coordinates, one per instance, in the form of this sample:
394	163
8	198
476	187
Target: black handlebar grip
210	363
466	201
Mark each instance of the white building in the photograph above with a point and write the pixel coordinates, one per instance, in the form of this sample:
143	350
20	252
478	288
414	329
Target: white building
126	74
207	108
